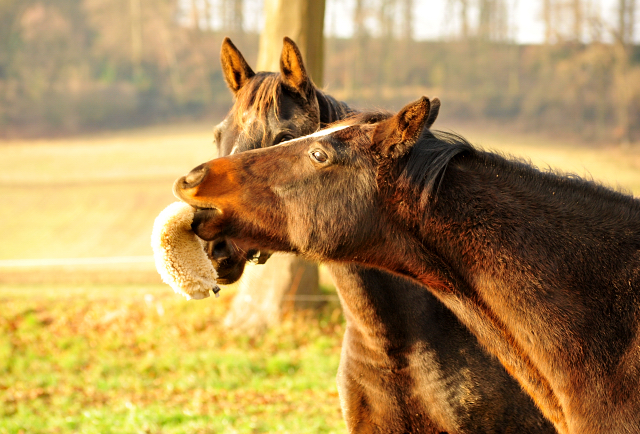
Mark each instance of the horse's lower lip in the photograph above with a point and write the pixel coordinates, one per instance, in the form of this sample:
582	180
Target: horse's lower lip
231	275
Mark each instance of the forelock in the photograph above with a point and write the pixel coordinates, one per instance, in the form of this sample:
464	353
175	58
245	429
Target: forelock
255	99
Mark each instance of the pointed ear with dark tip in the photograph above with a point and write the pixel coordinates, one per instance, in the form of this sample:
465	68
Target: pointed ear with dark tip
433	112
236	70
397	135
292	68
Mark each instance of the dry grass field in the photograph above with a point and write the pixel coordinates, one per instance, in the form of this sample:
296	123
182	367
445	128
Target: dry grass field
108	348
92	196
98	195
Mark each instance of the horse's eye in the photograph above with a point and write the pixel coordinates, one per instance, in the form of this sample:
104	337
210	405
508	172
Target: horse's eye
319	155
283	138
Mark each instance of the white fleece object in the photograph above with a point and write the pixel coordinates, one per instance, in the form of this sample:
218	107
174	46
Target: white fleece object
179	254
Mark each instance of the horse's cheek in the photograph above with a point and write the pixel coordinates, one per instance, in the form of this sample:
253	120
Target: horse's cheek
299	213
298	209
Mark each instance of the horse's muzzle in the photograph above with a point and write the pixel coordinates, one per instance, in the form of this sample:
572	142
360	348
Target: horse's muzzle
194	177
185	187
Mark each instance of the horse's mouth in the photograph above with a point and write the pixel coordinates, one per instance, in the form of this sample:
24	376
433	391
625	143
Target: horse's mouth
230	271
198	209
200	218
229	259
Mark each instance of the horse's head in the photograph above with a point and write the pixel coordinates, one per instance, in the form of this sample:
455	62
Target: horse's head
321	195
269	108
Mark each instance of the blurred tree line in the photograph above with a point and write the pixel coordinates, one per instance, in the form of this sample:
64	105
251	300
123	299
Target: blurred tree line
72	65
584	79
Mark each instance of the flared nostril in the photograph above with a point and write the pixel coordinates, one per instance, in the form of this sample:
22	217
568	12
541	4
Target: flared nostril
195	177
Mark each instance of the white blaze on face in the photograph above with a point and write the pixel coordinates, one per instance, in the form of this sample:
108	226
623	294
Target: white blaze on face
317	134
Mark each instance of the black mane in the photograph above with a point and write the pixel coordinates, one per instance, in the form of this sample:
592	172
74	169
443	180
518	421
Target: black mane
363	117
331	110
429	158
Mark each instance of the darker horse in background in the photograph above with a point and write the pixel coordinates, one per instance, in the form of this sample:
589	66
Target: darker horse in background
543	268
269	108
407	364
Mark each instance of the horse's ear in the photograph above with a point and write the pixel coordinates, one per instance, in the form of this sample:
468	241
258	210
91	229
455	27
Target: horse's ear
292	68
433	112
236	70
397	135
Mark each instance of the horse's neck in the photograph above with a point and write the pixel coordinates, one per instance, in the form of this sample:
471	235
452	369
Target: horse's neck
514	254
365	304
528	245
372	298
331	110
493	208
522	241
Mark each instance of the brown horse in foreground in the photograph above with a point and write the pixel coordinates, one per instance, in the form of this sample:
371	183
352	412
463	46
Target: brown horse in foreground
407	364
543	268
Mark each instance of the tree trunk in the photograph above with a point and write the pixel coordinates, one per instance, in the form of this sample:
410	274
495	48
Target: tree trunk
302	21
623	50
267	291
464	18
284	281
485	9
406	31
626	20
233	13
548	23
353	82
578	19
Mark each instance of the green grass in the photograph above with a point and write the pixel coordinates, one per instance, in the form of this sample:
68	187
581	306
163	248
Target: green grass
132	359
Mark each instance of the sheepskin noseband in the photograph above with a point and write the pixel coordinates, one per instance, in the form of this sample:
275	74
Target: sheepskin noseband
179	254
